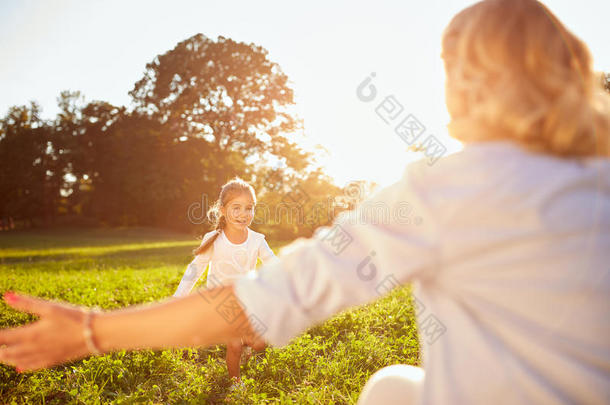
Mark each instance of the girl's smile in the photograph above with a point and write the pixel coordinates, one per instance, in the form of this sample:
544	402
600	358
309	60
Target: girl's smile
239	212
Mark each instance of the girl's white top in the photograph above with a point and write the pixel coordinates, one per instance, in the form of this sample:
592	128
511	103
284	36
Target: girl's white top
227	260
509	253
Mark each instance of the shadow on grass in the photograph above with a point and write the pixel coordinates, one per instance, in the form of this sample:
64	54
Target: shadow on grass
167	255
36	258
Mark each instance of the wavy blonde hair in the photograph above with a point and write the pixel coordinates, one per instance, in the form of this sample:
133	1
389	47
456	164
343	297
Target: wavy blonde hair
514	71
233	188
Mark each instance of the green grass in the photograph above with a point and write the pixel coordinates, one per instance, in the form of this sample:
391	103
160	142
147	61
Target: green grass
329	364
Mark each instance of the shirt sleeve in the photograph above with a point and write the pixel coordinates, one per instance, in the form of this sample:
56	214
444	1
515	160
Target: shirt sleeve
385	242
264	251
194	270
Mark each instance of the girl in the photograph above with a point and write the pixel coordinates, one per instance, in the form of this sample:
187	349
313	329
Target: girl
230	250
509	263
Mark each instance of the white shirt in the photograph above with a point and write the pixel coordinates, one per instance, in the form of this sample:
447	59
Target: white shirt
227	260
509	253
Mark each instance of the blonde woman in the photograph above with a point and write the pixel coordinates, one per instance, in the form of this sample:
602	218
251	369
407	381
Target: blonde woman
510	262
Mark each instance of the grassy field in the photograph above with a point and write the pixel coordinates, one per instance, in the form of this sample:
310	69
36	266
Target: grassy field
328	364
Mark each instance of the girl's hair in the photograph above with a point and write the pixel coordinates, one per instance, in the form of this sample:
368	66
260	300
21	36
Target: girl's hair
515	72
229	191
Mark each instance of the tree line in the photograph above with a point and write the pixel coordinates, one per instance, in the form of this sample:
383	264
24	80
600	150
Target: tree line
203	112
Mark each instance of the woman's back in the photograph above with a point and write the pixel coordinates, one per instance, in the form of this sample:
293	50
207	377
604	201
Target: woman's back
521	287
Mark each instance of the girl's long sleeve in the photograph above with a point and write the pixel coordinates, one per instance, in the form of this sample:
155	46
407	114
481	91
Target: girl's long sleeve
194	271
264	252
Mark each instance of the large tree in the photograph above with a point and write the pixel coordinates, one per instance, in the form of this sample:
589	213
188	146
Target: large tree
227	93
223	110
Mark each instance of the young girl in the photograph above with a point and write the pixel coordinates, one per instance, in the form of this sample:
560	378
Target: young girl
230	250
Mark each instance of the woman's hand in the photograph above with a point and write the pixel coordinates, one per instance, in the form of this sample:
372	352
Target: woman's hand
57	337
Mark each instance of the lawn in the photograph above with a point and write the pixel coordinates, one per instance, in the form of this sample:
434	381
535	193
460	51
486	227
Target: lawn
113	268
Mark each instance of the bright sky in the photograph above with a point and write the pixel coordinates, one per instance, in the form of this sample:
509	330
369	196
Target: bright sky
325	47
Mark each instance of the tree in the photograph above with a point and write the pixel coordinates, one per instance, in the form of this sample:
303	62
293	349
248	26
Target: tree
30	174
226	93
204	112
222	110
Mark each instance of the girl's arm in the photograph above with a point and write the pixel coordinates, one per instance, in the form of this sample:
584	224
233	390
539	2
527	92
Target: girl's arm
195	269
58	335
193	272
264	252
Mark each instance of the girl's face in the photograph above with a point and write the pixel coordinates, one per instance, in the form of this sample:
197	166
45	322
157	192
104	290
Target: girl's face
239	211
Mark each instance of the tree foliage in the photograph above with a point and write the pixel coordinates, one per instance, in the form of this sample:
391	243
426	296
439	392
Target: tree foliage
203	112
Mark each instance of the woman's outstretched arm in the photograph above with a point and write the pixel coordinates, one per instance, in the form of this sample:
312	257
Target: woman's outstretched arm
361	257
201	319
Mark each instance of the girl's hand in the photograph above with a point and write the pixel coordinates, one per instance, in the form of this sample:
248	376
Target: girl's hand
57	337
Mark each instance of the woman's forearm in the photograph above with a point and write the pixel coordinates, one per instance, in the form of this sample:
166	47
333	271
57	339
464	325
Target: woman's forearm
200	319
60	334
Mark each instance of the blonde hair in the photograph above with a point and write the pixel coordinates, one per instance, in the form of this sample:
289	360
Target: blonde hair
515	72
233	188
